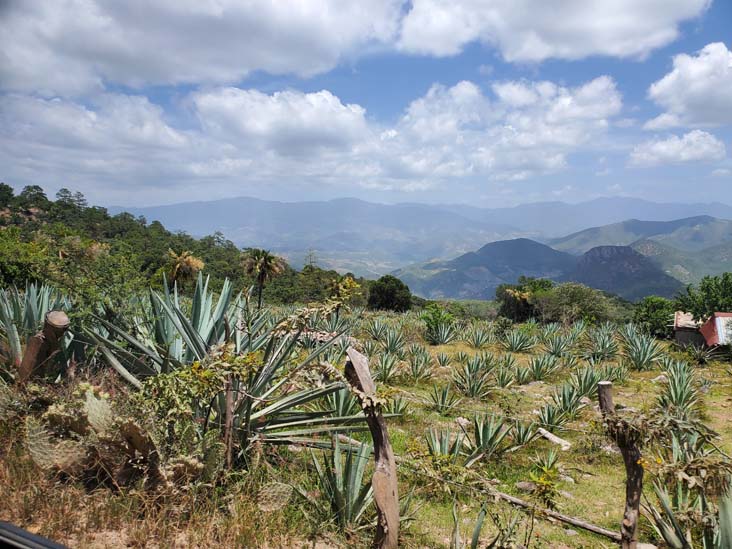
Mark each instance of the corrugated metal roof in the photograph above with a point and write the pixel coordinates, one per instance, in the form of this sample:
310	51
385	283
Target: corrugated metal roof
718	329
685	321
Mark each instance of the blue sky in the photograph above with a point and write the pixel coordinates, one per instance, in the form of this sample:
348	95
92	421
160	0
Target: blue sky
477	102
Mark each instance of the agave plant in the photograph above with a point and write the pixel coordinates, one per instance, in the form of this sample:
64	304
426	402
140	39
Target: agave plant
248	392
472	381
549	331
442	334
22	315
557	346
488	435
585	381
615	373
576	331
517	341
370	347
479	337
393	342
461	357
679	396
345	496
504	377
542	366
342	403
641	352
172	336
506	361
522	375
420	366
441	444
671	523
443	360
701	354
386	368
443	401
396	405
601	343
523	433
568	400
376	329
551	417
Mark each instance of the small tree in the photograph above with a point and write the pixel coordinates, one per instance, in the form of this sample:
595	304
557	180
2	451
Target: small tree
262	266
655	314
517	301
389	293
713	294
183	267
6	195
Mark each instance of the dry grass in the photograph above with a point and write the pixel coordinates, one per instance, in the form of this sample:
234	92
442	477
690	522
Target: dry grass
229	516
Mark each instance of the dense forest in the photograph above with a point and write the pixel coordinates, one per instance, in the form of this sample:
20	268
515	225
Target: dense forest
84	250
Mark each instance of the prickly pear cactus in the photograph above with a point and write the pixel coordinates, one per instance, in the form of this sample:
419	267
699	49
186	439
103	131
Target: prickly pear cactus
99	413
273	496
38	442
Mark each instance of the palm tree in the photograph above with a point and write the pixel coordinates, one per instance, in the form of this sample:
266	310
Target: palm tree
263	266
183	267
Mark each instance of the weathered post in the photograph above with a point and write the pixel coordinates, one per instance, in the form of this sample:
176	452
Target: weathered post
42	347
626	439
384	480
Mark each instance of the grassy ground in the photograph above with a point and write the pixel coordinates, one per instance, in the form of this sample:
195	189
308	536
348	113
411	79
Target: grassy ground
230	514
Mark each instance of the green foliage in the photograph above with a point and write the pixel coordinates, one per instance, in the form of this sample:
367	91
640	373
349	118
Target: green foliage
345	497
713	294
517	341
443	401
655	315
388	293
571	301
488	435
517	301
642	352
438	325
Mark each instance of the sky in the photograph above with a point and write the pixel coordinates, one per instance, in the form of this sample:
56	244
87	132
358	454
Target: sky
482	102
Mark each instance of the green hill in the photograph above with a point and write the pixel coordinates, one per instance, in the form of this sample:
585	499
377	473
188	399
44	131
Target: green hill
476	275
688	234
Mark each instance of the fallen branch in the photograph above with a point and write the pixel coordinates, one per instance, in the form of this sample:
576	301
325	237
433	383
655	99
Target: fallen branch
564	444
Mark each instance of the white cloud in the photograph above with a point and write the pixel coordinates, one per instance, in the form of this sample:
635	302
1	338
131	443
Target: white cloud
721	172
697	92
123	144
76	46
527	30
287	122
695	146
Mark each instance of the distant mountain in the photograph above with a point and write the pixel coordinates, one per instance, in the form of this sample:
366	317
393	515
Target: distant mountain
348	234
554	219
688	234
372	239
623	271
476	275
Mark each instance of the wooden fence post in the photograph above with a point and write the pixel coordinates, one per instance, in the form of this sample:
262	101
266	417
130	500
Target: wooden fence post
384	480
623	436
42	347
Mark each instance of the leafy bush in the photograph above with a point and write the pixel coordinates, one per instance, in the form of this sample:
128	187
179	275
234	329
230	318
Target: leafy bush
655	315
388	293
439	329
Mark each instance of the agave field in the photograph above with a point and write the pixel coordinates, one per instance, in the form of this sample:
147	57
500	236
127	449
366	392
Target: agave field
205	421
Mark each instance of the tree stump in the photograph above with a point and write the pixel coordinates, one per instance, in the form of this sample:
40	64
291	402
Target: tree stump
42	347
619	432
384	481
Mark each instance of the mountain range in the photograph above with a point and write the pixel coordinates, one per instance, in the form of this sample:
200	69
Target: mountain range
372	239
476	275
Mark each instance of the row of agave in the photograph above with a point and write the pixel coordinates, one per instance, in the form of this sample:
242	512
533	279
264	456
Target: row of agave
264	359
490	436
